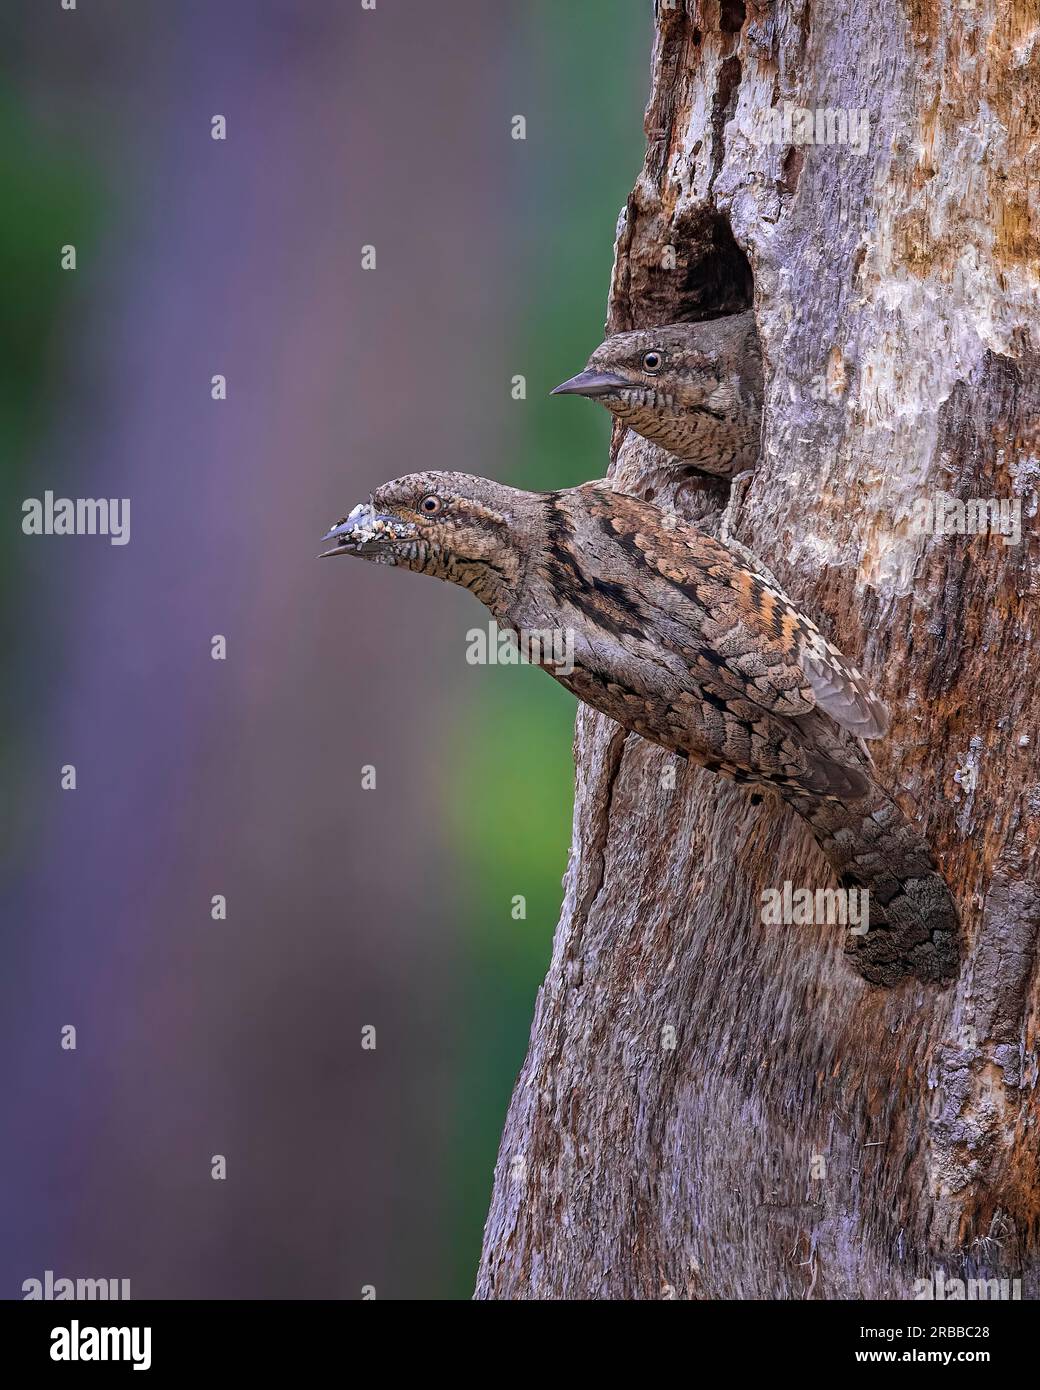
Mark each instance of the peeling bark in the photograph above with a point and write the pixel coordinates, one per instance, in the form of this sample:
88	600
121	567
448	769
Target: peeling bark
810	1135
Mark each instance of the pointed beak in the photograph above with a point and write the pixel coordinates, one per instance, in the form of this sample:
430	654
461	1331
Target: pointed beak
590	383
363	526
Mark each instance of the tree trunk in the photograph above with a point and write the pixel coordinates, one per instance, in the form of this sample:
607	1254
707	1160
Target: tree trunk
712	1107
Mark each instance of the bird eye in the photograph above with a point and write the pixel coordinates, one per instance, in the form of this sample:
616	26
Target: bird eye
652	361
431	505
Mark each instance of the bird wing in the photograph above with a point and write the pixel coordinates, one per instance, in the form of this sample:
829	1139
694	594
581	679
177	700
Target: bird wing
749	639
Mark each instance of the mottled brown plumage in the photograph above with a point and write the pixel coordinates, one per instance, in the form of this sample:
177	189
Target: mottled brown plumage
678	640
693	388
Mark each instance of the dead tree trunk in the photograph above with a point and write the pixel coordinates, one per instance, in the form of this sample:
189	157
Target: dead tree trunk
808	1134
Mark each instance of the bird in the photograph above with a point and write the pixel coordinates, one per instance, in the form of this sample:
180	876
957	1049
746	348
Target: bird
674	636
693	388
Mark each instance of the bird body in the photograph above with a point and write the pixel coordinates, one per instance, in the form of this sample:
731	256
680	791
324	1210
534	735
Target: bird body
675	637
693	388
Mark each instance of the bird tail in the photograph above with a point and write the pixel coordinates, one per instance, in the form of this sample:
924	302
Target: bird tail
872	846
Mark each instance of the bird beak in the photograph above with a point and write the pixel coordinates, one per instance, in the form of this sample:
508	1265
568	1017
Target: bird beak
365	526
590	383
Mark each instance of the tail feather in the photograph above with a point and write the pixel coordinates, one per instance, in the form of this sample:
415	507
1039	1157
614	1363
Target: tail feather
871	845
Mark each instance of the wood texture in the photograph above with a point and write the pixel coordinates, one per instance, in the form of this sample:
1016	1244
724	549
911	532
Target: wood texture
810	1135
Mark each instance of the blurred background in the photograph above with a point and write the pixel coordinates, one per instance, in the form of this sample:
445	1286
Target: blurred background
346	907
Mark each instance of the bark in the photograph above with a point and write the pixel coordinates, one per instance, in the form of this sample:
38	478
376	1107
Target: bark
810	1135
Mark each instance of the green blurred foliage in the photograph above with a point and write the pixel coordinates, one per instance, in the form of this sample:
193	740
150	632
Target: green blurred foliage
45	185
514	792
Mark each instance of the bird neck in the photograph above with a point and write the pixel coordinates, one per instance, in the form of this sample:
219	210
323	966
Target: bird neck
494	580
501	576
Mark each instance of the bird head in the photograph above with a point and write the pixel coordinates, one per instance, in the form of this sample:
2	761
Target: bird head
677	362
455	526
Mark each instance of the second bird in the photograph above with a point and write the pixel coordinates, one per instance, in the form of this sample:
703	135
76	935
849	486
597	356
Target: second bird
693	388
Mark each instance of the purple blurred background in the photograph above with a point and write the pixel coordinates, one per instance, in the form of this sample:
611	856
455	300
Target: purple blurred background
242	777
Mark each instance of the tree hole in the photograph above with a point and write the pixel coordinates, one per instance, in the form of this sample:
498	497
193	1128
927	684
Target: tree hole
698	273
